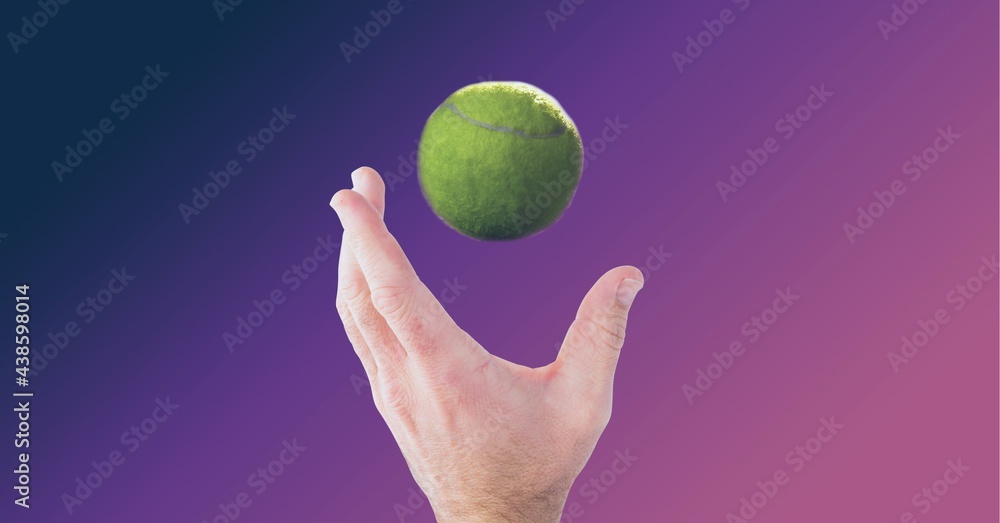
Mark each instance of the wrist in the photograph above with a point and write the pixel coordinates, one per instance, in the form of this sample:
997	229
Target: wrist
544	508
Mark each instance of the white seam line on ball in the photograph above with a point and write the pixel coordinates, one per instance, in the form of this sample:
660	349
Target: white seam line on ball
500	128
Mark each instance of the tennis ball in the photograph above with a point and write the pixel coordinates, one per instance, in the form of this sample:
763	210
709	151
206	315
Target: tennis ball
499	160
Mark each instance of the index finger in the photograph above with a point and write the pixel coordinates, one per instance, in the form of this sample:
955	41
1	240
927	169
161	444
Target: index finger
410	309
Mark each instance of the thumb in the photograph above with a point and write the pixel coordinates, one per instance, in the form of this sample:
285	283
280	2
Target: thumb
589	354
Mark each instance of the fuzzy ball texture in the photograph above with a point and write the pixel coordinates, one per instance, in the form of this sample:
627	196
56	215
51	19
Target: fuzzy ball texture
499	160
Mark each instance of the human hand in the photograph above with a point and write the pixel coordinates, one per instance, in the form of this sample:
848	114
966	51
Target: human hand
486	439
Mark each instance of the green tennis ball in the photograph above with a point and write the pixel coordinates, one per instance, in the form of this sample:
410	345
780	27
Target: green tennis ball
499	160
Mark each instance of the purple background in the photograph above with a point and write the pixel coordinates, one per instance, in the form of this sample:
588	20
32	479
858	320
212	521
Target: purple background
652	189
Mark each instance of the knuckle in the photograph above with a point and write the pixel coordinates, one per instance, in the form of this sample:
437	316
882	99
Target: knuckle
390	301
394	396
366	360
447	380
343	310
607	332
352	291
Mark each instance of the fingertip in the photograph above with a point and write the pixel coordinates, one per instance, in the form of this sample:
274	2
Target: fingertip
621	284
370	185
625	272
365	174
358	174
340	199
631	273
